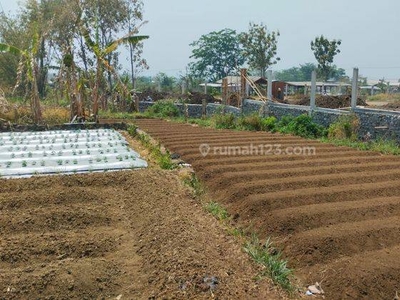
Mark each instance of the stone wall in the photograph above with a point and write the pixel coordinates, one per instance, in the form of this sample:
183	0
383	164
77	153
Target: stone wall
373	122
379	123
194	110
279	110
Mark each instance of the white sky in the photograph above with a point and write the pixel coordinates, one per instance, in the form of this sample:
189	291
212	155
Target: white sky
369	30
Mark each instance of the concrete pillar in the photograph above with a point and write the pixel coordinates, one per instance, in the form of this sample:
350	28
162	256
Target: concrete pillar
354	89
224	90
269	87
313	89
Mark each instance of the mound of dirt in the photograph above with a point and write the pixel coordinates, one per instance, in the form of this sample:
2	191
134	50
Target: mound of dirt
191	97
327	101
391	106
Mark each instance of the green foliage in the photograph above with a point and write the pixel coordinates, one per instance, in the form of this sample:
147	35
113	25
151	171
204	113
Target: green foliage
345	127
217	210
302	73
269	257
255	122
163	158
216	55
163	109
385	146
224	121
132	130
259	47
324	52
302	126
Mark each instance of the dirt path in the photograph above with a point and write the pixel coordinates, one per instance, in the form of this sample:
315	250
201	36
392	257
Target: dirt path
335	213
120	235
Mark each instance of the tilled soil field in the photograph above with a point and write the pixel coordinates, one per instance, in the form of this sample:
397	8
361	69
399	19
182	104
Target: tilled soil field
336	214
117	235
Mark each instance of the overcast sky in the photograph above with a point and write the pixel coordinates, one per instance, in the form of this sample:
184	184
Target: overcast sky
369	30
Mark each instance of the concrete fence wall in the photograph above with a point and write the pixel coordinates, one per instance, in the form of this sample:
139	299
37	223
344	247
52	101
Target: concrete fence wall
373	122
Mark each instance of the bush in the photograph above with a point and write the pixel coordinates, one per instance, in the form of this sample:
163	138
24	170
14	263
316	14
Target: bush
251	122
302	126
224	121
269	123
255	122
163	109
346	127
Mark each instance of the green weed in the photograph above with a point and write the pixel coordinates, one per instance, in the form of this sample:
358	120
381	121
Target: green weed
217	210
271	259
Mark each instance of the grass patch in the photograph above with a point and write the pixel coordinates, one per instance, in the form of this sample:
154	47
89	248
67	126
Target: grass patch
384	97
271	259
163	158
217	210
380	145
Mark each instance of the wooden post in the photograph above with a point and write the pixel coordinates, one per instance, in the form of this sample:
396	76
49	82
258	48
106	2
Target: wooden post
243	86
205	87
204	107
354	89
313	89
224	90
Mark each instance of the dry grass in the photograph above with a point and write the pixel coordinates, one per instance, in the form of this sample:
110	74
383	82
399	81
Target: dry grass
56	115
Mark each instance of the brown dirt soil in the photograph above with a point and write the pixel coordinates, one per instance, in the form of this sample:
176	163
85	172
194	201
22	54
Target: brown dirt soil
139	234
191	97
335	214
328	101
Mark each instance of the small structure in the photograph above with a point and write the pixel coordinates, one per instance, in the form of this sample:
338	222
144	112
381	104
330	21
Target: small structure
328	88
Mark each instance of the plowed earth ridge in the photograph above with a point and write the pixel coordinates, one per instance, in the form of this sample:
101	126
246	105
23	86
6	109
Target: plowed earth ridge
335	214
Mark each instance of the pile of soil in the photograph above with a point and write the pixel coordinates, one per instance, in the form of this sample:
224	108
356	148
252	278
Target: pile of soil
191	97
391	106
327	101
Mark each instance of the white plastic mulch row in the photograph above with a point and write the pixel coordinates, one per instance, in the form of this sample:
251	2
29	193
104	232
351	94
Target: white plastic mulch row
24	154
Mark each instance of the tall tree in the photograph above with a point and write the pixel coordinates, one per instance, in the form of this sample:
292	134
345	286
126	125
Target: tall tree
260	47
324	51
217	54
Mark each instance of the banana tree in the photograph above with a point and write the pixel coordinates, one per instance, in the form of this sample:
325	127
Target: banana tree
101	59
29	67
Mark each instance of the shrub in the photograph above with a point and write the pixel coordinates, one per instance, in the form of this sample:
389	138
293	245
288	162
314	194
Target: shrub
163	109
224	121
269	123
302	126
345	127
250	122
